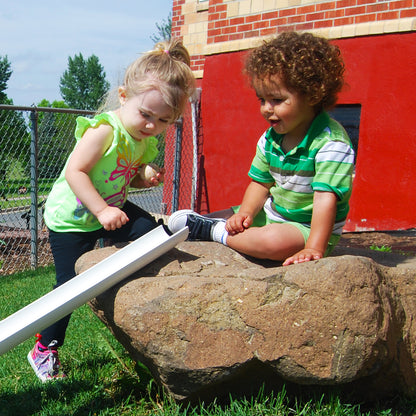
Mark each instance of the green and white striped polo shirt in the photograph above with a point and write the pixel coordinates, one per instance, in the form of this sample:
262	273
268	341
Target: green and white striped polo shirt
323	161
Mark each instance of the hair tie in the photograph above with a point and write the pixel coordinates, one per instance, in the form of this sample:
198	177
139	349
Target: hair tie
166	51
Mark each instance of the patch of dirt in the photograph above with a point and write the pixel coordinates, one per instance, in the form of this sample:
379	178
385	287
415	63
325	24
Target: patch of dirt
390	248
399	241
15	250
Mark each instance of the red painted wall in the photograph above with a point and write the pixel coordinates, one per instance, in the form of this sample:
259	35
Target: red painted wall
381	76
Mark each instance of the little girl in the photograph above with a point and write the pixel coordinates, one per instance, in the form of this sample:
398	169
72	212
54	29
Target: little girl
295	206
89	199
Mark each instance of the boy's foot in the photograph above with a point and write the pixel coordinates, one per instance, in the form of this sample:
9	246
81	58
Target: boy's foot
45	361
200	227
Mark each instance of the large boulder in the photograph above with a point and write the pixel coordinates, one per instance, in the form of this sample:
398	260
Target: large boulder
207	321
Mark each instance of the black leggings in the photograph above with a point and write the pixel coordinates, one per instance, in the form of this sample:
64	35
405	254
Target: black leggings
68	247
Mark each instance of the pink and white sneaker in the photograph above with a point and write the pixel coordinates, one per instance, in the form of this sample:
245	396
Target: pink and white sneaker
45	361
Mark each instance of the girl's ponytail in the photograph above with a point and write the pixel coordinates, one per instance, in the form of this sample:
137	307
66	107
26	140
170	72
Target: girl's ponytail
166	68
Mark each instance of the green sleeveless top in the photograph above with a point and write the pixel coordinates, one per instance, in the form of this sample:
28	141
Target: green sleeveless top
111	176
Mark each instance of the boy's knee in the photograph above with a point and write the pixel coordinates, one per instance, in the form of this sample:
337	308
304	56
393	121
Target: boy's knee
279	241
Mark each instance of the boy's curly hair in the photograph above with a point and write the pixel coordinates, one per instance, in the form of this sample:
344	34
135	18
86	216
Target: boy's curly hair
307	64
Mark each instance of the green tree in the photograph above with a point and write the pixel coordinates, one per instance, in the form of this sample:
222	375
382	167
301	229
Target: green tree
14	138
83	85
5	74
164	30
15	154
56	139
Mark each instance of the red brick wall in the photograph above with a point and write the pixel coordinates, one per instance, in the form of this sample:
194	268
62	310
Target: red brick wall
177	18
221	28
313	16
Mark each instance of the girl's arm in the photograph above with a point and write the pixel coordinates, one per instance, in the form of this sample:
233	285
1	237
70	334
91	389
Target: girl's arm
323	219
86	154
253	201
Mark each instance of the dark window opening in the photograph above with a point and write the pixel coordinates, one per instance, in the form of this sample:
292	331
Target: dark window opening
349	116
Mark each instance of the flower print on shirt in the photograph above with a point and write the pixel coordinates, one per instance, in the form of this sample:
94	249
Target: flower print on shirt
126	166
117	200
126	169
82	210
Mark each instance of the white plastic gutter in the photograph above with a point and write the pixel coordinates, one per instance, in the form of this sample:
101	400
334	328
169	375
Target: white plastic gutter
66	298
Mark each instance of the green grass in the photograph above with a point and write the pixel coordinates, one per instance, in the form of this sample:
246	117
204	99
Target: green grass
385	249
103	380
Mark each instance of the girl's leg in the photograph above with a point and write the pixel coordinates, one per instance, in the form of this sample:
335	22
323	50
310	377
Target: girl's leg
273	241
140	222
66	249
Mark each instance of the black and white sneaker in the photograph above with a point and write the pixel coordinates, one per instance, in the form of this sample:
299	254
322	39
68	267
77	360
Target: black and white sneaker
200	227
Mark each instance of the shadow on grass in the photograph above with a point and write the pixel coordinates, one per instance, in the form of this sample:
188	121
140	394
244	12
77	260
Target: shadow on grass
78	395
128	395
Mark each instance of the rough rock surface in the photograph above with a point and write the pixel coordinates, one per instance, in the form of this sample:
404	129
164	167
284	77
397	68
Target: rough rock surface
207	321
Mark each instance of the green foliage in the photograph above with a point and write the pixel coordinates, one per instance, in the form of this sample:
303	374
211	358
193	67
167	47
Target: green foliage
56	139
83	85
164	30
383	248
14	134
55	104
15	145
5	74
17	171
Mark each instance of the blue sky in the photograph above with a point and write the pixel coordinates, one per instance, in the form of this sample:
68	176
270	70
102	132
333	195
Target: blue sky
38	37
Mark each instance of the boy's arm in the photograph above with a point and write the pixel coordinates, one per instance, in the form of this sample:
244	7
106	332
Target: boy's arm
253	201
323	219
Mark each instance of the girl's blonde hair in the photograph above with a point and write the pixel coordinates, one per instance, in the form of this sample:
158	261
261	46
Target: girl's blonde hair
166	68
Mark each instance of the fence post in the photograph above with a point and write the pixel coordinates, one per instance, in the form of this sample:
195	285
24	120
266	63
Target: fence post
195	119
33	224
177	164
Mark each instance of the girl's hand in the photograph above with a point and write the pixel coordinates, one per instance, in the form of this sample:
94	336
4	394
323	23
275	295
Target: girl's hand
307	254
238	223
112	218
158	178
140	181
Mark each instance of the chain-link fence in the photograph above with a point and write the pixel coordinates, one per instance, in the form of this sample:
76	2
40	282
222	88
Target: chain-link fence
36	143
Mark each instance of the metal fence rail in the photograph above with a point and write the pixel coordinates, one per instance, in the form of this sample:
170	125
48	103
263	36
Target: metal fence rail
35	143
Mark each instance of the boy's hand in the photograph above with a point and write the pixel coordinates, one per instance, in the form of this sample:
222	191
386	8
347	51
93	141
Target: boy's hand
323	218
306	254
112	218
238	223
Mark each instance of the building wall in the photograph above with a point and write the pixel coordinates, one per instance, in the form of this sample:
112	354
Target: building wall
218	26
378	42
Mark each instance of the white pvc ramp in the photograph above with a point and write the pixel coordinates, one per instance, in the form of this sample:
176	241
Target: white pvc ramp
66	298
